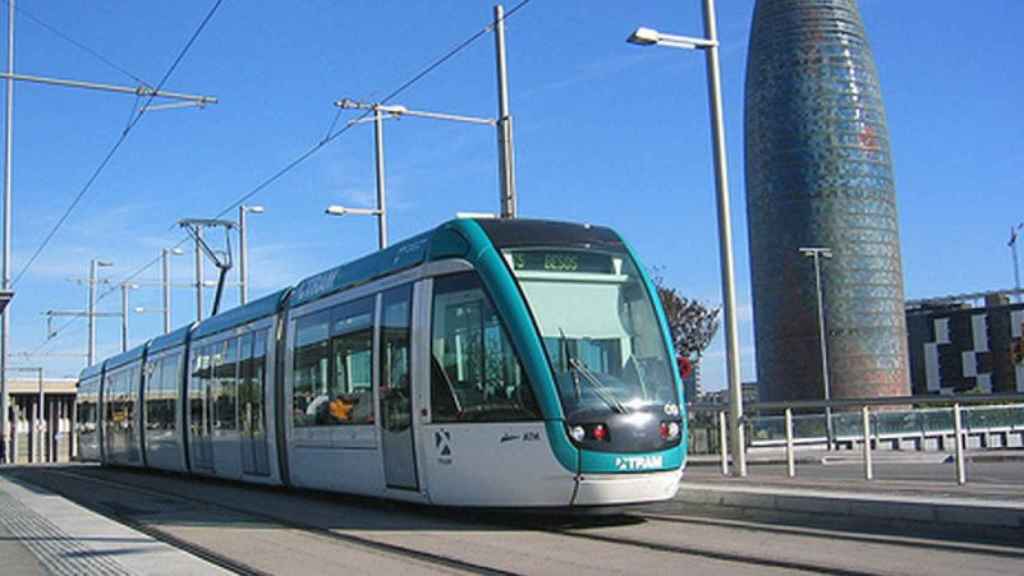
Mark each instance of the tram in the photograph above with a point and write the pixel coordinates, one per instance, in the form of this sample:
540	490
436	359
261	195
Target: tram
485	363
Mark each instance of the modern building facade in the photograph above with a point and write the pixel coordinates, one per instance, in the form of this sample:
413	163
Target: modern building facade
819	174
956	347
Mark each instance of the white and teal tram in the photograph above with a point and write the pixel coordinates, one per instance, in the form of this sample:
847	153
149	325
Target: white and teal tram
494	363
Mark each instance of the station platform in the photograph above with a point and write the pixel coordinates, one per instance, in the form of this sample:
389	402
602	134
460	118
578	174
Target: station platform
907	490
43	533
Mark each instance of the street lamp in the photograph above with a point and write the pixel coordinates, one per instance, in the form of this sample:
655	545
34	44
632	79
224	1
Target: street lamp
1016	263
393	111
243	252
382	238
165	255
817	254
650	37
93	266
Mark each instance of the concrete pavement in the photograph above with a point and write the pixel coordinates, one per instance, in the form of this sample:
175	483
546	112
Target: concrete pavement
43	533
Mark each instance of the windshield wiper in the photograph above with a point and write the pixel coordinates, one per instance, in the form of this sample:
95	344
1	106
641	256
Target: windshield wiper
600	390
578	368
569	360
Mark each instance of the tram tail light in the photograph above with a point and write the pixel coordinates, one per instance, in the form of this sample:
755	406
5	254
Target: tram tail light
600	432
669	430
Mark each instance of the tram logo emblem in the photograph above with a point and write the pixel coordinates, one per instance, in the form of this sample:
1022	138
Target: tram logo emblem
633	463
443	445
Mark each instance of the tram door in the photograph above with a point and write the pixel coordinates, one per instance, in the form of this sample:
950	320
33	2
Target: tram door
396	389
199	410
252	395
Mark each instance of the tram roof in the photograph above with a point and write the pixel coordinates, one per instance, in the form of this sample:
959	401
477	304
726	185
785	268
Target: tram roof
261	308
450	239
125	357
90	371
170	340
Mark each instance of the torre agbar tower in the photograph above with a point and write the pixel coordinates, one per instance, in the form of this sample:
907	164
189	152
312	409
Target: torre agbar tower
819	174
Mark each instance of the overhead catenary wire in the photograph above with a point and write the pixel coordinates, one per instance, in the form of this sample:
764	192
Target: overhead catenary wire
117	145
330	137
78	44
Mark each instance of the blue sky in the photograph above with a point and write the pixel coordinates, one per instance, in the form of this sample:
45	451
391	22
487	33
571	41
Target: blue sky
605	132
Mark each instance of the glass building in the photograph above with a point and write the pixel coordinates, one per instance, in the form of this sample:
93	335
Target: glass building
819	174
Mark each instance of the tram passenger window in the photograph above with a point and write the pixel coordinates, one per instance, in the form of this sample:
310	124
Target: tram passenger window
350	397
223	389
154	394
169	386
197	391
310	378
259	354
246	390
475	375
395	393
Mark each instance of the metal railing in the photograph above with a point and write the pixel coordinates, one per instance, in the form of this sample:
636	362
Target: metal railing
987	414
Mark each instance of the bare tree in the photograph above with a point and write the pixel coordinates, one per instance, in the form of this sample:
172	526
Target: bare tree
691	323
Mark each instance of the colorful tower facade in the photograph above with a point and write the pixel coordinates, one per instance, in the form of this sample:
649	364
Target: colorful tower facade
819	174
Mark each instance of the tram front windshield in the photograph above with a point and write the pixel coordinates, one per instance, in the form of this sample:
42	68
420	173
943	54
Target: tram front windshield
600	330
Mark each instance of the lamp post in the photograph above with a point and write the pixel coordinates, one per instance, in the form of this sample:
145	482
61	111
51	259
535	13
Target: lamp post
648	37
1016	263
5	273
165	258
817	254
243	252
382	237
93	266
379	110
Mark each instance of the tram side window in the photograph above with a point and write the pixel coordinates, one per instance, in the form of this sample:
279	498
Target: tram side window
350	399
310	377
258	375
395	393
170	381
224	386
475	373
197	388
154	394
87	407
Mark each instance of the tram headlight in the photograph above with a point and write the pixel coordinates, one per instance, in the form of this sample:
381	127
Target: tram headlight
578	433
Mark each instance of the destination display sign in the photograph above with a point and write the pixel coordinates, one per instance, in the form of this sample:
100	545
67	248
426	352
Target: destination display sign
562	261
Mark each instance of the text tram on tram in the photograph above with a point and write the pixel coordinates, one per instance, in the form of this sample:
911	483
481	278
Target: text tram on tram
484	363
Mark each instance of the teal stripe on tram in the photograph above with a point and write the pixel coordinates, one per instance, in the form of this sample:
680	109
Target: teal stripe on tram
509	302
667	336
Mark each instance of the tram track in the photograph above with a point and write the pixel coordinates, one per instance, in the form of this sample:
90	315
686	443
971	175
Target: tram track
468	517
235	566
747	546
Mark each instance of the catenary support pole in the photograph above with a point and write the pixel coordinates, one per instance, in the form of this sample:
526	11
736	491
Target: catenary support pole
378	142
91	359
506	156
243	257
732	343
124	316
5	320
165	265
199	274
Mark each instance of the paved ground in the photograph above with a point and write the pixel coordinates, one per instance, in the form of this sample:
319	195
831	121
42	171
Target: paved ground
283	532
43	533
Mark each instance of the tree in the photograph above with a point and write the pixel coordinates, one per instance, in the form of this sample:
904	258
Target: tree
691	323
